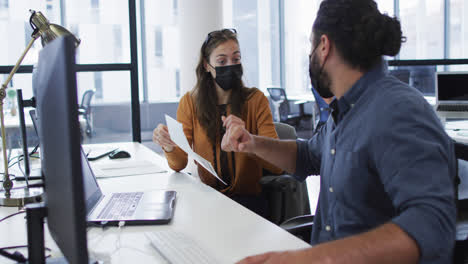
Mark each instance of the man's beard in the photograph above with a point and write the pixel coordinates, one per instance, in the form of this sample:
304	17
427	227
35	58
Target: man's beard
319	79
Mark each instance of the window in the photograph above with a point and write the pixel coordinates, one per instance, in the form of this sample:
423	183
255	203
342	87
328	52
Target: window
161	57
175	7
386	7
258	28
98	30
458	32
158	42
423	26
98	86
4	4
104	29
299	17
95	3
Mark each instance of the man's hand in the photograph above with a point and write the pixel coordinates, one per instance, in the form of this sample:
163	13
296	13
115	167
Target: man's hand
283	257
236	138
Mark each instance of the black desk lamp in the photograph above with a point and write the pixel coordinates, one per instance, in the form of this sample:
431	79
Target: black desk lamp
48	32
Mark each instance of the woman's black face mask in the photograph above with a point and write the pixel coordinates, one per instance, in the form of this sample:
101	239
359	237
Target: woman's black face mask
229	77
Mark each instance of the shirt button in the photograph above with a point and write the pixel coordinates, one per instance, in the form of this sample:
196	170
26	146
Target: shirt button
330	189
328	228
332	151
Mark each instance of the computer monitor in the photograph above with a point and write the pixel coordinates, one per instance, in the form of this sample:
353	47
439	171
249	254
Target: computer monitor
59	135
452	86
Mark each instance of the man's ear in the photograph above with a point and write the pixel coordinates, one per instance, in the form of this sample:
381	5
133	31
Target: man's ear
325	48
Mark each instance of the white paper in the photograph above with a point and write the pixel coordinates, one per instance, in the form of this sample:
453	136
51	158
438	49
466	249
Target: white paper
176	132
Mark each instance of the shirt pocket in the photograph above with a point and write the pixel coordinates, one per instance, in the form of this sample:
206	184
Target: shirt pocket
351	177
358	189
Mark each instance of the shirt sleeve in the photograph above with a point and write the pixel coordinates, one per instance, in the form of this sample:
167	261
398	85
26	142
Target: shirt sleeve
266	128
177	159
416	162
308	156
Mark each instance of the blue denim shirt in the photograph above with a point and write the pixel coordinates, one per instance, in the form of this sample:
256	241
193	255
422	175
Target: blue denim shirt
383	156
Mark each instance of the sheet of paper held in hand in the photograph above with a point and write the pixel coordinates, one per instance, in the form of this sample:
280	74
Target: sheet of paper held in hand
176	132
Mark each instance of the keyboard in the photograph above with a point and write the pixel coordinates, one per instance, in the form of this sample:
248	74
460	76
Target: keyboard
453	108
121	206
177	248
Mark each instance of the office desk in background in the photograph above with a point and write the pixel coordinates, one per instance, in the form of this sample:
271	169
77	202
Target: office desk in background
227	230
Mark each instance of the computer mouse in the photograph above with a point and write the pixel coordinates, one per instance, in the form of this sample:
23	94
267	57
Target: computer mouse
119	154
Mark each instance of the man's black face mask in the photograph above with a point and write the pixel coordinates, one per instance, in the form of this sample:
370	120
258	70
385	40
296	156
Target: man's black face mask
319	79
229	77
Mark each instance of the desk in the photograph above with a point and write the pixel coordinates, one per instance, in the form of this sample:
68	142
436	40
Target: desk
224	228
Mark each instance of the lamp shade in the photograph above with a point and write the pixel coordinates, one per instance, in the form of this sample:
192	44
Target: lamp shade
48	31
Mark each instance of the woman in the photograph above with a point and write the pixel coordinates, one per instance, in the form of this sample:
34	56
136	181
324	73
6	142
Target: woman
219	97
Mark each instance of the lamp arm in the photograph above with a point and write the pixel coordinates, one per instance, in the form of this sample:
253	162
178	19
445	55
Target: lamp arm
13	71
7	183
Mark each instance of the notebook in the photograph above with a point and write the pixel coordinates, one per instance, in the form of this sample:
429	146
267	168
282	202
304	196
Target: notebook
452	94
133	208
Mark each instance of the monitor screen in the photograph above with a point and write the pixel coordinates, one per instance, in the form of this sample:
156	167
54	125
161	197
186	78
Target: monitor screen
452	86
59	135
91	188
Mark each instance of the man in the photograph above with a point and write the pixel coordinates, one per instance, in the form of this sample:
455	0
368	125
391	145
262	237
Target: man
386	164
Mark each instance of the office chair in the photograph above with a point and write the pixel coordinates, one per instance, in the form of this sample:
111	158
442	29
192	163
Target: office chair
85	110
286	196
324	110
281	103
301	226
423	79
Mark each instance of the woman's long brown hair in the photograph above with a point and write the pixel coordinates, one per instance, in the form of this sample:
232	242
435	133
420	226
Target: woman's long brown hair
205	96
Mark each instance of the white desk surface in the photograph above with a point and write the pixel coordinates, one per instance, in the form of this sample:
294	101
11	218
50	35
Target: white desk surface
13	121
224	228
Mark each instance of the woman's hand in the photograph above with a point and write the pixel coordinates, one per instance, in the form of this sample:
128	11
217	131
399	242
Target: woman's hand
232	120
236	138
162	138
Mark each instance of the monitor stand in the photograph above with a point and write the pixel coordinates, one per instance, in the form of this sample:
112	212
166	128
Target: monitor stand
35	215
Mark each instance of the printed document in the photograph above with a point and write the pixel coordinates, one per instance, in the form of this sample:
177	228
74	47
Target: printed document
176	132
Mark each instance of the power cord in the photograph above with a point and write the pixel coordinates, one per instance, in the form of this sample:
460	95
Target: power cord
17	256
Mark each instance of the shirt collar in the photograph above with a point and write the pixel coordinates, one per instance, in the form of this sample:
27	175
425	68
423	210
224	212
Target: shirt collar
346	102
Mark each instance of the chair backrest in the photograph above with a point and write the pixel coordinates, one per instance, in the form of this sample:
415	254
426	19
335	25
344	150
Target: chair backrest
423	79
285	131
86	99
323	107
278	96
286	196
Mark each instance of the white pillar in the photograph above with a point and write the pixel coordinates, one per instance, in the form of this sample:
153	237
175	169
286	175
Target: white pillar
197	19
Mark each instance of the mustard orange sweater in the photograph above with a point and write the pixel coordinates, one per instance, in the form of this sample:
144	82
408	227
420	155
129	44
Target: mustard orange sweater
248	167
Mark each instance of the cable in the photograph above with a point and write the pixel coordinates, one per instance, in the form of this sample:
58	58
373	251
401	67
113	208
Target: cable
6	217
34	150
17	256
22	172
21	246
